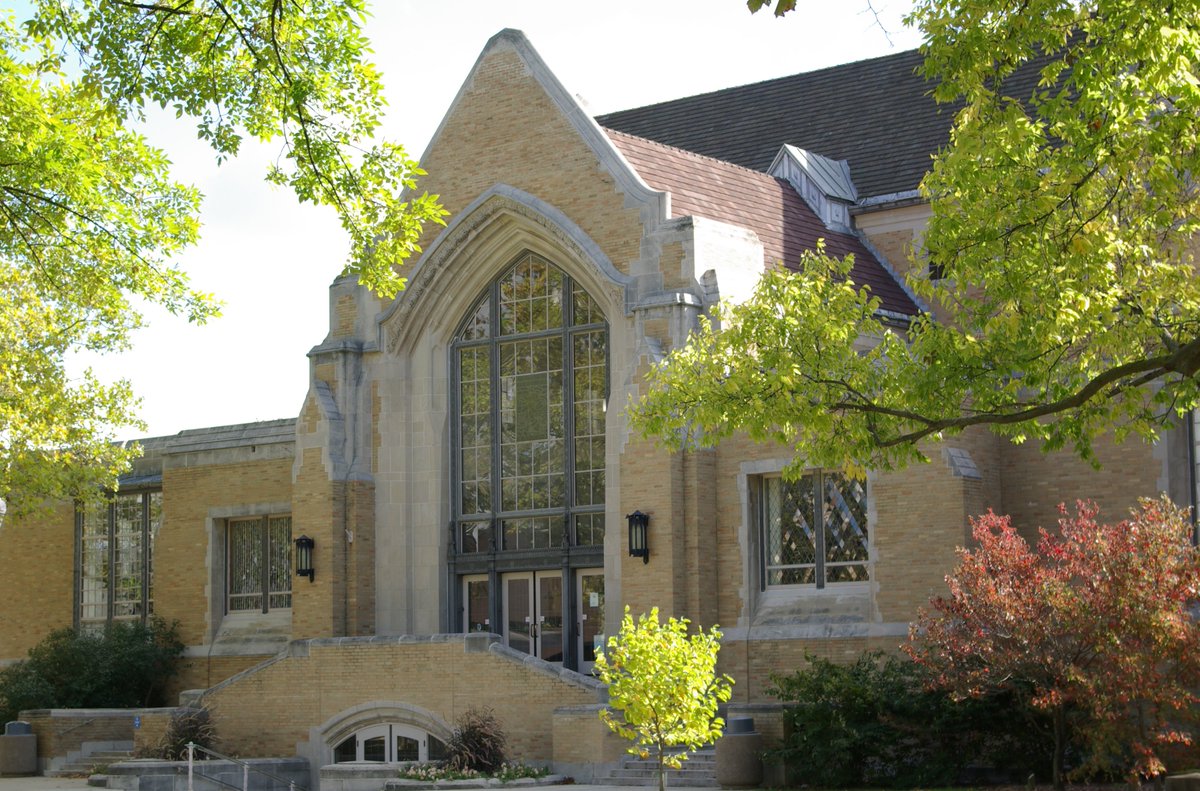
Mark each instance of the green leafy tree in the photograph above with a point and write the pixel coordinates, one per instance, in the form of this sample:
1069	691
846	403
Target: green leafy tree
1063	222
91	221
1094	627
664	683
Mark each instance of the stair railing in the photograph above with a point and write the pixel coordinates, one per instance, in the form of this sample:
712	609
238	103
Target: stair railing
192	747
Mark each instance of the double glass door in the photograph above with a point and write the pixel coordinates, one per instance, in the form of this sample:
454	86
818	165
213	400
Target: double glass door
533	613
536	615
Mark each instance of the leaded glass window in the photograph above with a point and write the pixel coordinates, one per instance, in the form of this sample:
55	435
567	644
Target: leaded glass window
531	388
116	557
259	570
814	530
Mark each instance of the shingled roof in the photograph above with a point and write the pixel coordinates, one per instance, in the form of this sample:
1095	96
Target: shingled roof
876	113
706	187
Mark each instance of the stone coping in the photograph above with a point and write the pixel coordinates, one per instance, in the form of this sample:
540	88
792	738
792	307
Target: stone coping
386	772
398	783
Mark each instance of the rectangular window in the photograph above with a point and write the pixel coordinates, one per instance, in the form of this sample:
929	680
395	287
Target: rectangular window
259	563
814	530
116	557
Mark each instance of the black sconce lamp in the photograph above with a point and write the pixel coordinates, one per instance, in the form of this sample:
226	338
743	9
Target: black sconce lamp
638	547
304	557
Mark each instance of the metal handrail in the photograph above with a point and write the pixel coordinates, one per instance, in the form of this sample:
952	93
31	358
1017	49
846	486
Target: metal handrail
246	770
77	726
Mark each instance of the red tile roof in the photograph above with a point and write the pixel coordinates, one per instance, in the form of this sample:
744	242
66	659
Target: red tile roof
705	187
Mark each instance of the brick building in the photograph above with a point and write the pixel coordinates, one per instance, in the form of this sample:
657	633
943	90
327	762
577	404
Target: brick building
464	468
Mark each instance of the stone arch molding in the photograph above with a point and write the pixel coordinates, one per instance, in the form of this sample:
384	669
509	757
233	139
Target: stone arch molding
380	712
498	226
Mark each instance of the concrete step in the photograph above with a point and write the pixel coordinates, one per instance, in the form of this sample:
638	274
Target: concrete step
698	771
652	782
85	765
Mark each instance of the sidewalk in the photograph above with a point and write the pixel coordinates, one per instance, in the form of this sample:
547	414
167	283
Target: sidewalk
79	783
43	783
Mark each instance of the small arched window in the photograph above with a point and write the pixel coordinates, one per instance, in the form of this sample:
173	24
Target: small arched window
530	395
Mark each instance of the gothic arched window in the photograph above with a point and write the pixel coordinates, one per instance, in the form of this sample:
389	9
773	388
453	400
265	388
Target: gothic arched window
530	391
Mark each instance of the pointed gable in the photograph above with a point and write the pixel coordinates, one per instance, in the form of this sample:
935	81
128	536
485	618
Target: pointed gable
513	123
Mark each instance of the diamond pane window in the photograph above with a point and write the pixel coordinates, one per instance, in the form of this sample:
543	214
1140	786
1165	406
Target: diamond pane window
531	390
259	569
811	542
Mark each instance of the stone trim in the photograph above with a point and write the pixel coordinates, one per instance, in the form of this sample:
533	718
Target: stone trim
499	202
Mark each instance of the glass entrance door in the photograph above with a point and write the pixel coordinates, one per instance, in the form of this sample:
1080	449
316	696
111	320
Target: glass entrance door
589	592
533	613
476	605
549	615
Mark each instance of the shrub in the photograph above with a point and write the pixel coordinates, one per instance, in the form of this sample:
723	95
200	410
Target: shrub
124	665
505	773
1093	626
876	722
477	743
187	725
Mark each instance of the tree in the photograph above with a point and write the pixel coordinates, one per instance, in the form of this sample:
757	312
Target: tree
90	219
1094	628
1063	222
664	683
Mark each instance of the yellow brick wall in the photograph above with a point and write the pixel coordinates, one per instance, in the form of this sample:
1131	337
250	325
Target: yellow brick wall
752	663
38	558
202	672
652	482
181	579
270	711
316	509
345	312
896	247
1036	482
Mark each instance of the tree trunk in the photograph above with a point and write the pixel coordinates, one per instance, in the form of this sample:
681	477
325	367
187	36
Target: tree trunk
662	770
1060	739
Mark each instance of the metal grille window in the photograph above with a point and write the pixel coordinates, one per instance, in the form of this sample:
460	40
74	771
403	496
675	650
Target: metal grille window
531	383
115	558
259	563
814	530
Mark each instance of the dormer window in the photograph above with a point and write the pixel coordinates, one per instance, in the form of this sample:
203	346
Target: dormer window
824	184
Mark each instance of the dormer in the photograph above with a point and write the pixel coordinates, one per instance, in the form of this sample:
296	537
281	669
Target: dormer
824	184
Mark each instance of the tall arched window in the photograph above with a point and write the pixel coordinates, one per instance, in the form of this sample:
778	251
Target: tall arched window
531	386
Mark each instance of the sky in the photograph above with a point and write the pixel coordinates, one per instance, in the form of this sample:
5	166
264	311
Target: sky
270	260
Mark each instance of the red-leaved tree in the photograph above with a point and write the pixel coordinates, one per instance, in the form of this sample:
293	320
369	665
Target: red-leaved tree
1095	626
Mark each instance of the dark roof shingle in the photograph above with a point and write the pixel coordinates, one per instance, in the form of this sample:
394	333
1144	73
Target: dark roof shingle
876	113
706	187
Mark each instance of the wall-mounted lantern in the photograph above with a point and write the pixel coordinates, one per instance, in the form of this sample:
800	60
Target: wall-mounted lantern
638	546
304	557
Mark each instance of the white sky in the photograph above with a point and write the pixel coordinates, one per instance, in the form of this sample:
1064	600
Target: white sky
270	260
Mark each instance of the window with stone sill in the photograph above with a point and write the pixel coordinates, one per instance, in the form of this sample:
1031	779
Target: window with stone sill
813	531
259	563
